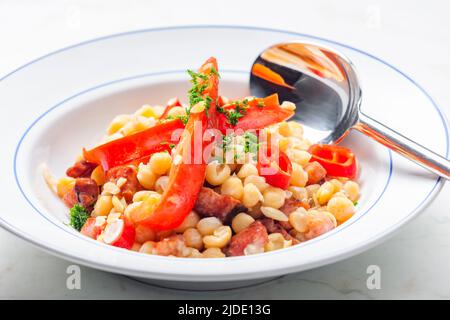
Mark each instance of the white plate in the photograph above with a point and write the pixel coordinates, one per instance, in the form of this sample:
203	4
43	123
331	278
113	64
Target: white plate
61	102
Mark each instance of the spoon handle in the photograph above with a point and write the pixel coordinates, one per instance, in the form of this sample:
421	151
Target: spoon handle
404	146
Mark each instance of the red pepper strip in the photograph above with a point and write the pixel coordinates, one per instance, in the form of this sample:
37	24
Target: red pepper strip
267	74
260	113
136	146
186	177
277	173
172	103
338	161
220	101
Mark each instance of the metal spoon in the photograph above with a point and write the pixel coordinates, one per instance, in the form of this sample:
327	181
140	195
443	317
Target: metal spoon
324	86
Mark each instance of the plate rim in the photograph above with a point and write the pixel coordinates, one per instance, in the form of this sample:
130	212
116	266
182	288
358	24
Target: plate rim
336	256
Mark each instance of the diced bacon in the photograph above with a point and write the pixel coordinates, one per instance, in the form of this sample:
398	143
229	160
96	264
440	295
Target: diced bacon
172	246
292	204
81	169
130	186
254	236
85	193
211	204
273	226
315	172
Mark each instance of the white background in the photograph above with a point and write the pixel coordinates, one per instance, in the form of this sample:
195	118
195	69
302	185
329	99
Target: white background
412	35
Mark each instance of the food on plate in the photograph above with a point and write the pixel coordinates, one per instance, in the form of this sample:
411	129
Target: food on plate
208	179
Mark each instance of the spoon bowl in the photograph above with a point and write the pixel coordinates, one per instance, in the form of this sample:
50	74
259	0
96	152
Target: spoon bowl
324	86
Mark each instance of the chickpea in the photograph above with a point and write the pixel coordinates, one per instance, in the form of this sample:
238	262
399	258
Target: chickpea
241	221
341	208
146	111
142	195
146	176
148	247
301	157
103	206
246	170
299	177
274	197
337	185
325	192
351	189
299	193
118	123
251	196
258	181
206	226
193	238
284	129
274	214
299	220
190	221
213	253
233	187
160	163
161	184
98	175
176	111
219	238
276	242
217	173
64	185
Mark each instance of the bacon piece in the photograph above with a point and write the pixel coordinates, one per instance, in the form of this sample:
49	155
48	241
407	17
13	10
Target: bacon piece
250	240
315	172
85	193
292	204
81	169
171	246
273	226
211	204
131	186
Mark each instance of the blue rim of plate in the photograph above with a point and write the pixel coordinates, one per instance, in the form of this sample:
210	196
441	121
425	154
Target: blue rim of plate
439	181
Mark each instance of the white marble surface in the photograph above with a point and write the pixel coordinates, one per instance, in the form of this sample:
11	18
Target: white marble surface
413	35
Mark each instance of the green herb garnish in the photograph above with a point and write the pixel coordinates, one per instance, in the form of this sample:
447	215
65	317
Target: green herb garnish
78	216
215	72
251	144
183	118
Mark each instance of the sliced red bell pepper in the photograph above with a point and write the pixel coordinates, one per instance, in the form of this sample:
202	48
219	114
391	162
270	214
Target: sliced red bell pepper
172	103
337	161
277	172
136	146
186	176
257	114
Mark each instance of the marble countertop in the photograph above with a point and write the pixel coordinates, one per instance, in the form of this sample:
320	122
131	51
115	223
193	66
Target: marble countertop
412	35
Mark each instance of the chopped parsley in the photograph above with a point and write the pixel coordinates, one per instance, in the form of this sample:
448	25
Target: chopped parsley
215	72
233	117
196	92
251	144
78	216
227	141
171	145
183	118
